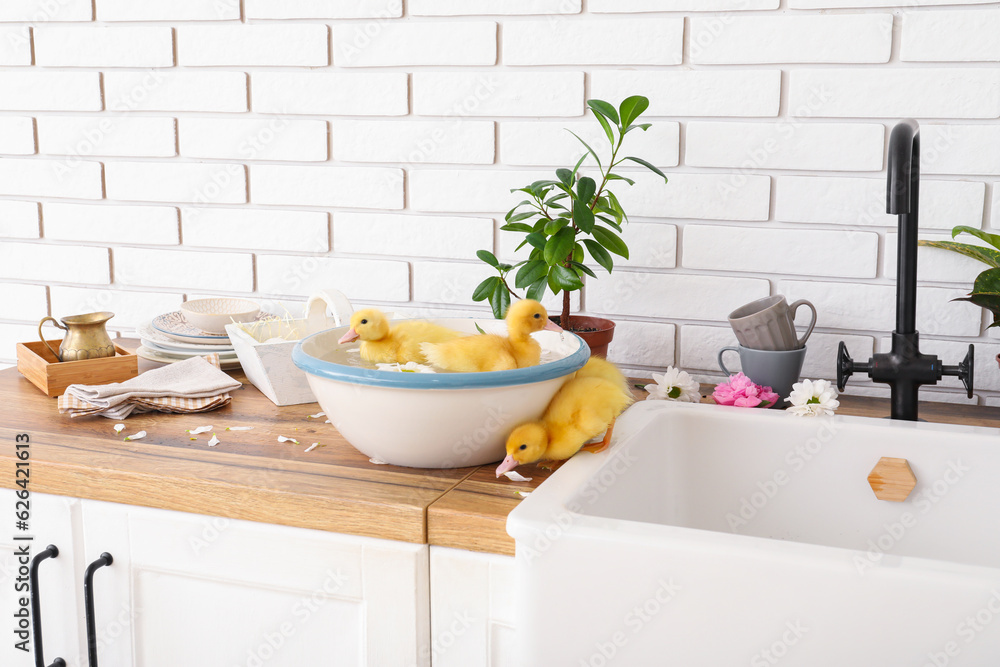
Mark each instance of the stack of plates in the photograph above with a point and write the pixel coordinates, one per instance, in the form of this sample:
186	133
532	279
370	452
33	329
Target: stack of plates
169	338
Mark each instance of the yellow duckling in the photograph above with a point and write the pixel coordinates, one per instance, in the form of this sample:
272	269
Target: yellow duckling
400	344
492	352
584	407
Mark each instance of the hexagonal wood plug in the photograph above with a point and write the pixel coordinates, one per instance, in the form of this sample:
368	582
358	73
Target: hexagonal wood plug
892	479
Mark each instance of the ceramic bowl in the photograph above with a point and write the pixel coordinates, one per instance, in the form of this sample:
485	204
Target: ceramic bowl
212	315
432	420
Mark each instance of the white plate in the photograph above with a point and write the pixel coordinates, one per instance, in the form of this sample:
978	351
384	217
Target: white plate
175	326
147	332
155	355
186	354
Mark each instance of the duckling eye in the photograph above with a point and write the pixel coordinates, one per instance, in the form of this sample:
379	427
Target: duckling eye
364	321
538	316
524	446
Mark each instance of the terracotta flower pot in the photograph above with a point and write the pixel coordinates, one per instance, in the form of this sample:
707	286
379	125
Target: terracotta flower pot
597	332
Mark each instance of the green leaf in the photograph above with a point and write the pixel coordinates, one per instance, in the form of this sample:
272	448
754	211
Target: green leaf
578	163
583	267
485	288
616	205
479	328
610	223
583	217
985	255
602	108
566	176
522	216
504	268
616	177
520	245
577	253
537	289
631	108
643	127
591	150
607	128
511	211
500	301
531	273
600	255
611	241
488	257
559	246
647	165
992	239
554	226
586	189
536	239
986	293
517	227
564	279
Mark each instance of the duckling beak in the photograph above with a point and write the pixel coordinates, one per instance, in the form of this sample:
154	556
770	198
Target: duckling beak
508	464
351	335
552	326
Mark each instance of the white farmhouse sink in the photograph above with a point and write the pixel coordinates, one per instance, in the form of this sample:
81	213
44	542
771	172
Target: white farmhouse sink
726	536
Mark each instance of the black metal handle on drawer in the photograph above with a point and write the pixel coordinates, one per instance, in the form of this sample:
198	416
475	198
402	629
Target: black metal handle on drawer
50	551
88	598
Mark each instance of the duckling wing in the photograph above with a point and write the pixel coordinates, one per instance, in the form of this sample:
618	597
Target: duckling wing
471	354
582	409
412	334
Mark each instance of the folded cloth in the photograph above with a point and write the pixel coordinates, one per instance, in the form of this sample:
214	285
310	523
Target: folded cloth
193	385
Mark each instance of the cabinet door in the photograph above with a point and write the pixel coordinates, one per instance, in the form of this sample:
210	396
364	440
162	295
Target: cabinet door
472	619
60	579
188	589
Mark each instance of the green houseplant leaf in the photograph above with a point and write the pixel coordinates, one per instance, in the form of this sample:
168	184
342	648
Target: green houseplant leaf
631	108
986	293
985	255
992	239
568	219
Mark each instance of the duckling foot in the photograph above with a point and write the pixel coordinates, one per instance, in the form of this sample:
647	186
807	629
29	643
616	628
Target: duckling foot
603	444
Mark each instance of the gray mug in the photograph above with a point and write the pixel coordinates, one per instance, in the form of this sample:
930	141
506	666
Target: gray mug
777	369
769	324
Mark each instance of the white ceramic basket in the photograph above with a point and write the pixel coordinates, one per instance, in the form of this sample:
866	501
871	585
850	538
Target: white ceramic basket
269	365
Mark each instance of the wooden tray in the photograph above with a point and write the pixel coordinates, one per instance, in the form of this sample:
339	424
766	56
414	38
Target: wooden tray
45	371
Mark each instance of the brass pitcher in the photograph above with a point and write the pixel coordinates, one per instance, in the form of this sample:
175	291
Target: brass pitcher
86	337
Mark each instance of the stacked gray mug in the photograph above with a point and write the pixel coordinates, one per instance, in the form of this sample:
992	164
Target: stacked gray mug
771	352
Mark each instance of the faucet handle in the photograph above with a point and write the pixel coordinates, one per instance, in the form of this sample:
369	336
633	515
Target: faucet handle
845	366
965	371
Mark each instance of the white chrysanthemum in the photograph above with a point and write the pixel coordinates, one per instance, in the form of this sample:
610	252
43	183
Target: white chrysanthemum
813	398
674	385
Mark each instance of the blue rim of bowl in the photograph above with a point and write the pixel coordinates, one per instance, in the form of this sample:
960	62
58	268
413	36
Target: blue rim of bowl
377	378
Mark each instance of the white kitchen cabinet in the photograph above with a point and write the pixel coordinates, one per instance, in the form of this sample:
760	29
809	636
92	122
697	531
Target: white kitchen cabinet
472	609
54	520
188	589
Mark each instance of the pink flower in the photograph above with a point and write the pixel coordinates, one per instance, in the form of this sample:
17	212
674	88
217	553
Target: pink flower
743	393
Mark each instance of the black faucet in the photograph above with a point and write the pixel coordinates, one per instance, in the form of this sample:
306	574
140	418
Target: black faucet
904	368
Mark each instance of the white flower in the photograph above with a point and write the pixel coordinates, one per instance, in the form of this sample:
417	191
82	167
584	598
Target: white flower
812	398
409	367
674	385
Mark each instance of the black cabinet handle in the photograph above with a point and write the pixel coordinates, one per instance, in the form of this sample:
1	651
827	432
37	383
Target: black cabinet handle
50	551
88	598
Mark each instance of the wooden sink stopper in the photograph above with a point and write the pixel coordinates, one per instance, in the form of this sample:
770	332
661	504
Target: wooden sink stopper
892	479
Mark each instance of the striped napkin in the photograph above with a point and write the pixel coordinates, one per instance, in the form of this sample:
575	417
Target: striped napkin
193	385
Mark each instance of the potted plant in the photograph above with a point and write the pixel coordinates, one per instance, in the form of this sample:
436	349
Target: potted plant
566	220
986	289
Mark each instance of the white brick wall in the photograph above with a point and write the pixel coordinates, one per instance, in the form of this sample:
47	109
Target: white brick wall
86	46
155	151
125	136
595	42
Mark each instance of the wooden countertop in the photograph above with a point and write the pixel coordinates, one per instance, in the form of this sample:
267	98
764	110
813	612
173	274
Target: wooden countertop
251	476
